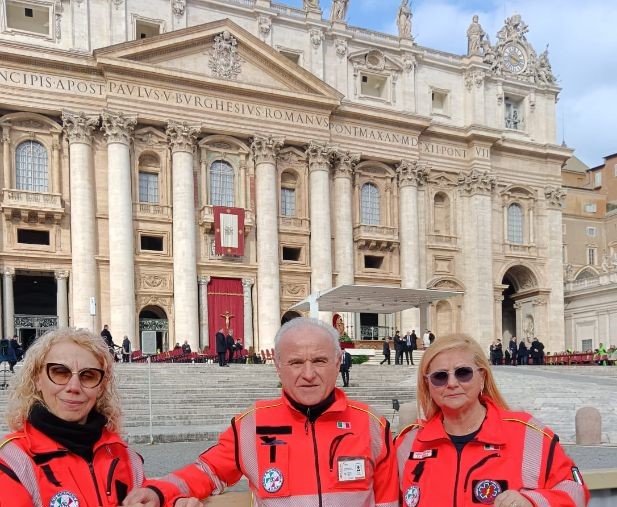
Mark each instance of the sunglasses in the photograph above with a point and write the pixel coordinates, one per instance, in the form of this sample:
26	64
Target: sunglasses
462	374
61	375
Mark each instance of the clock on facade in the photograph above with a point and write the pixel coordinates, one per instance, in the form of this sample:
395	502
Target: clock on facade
514	59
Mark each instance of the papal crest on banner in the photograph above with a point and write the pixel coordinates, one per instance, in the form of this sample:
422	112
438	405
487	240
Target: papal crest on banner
228	231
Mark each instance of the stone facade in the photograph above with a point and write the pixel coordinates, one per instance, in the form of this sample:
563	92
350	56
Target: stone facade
356	156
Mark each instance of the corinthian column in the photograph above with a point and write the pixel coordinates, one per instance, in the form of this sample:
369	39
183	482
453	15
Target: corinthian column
476	188
78	128
182	141
411	175
344	163
247	283
118	129
265	151
319	210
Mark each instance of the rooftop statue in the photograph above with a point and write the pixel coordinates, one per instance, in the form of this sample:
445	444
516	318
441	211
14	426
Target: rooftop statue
339	10
403	21
475	37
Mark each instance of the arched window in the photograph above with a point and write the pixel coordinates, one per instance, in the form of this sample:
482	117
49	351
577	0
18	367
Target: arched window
288	194
369	205
149	167
515	223
441	214
221	184
31	166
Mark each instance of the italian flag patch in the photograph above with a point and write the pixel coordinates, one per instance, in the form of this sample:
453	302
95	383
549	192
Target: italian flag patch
342	425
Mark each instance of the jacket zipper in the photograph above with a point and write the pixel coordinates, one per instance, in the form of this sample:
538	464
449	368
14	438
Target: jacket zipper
96	486
477	465
334	446
458	471
110	474
316	455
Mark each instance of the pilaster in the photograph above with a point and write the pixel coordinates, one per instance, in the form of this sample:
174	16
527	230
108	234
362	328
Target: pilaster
9	303
204	334
247	285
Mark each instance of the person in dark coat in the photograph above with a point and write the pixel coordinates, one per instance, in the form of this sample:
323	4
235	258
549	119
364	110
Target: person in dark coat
230	344
414	344
513	350
523	353
106	334
537	351
7	353
398	348
344	368
221	347
386	351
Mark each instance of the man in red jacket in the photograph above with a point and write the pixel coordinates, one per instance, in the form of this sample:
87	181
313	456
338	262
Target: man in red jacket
311	446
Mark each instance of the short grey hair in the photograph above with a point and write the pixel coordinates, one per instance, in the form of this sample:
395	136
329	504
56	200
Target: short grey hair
306	322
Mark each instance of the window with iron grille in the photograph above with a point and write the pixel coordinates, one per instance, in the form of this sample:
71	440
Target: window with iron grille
515	223
148	187
288	202
369	205
31	166
221	184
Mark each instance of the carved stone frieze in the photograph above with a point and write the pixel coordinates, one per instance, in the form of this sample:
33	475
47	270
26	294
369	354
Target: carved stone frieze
225	61
118	127
79	127
181	136
554	196
153	300
344	162
178	7
476	182
341	47
295	290
265	26
117	3
316	37
266	149
412	173
474	78
409	63
151	281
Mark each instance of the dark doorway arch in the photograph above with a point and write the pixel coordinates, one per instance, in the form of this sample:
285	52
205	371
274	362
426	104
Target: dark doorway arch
516	280
289	315
35	300
154	319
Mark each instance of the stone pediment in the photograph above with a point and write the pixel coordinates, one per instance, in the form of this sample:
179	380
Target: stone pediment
375	60
217	54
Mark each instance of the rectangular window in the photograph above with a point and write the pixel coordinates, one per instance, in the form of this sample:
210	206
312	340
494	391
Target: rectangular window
597	179
586	345
373	261
27	17
439	102
590	207
31	237
148	187
374	86
290	55
151	243
592	256
145	29
288	202
292	254
591	232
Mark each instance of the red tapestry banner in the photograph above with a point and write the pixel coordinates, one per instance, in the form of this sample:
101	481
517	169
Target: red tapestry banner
225	308
228	231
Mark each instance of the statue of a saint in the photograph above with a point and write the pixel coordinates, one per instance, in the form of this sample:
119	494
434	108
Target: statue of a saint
403	21
339	10
311	5
475	36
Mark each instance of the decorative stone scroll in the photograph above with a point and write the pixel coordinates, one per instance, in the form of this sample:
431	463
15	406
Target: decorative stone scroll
555	196
412	173
344	162
118	127
225	62
79	127
476	182
181	136
266	149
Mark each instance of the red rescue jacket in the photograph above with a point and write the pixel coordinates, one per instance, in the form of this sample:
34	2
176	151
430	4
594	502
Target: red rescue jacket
512	450
35	471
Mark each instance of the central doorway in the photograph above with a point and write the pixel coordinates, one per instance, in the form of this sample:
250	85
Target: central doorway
154	318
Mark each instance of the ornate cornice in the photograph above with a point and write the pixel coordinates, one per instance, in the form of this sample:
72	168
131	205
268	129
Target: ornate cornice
266	149
344	163
555	197
319	155
118	127
476	182
181	136
412	173
79	127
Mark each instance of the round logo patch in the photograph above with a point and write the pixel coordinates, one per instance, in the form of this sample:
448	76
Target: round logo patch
486	491
64	499
272	480
412	496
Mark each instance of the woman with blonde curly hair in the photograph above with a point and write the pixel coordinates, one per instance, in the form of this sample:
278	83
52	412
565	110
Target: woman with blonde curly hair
65	415
473	446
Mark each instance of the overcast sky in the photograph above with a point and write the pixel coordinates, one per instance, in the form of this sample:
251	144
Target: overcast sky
582	43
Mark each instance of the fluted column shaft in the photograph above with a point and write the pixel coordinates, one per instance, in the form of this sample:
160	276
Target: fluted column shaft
62	303
9	302
78	129
6	156
204	335
182	140
247	284
265	151
344	163
319	211
118	129
57	170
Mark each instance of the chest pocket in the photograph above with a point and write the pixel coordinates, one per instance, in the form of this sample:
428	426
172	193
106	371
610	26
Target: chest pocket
274	470
350	466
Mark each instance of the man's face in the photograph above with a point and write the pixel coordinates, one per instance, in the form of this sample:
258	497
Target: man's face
307	365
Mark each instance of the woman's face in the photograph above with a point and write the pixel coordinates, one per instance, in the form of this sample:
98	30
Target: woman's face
71	402
456	395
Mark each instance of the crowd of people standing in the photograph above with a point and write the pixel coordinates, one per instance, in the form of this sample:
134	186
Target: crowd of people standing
517	352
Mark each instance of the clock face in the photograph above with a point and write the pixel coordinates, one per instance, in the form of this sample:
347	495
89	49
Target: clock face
514	59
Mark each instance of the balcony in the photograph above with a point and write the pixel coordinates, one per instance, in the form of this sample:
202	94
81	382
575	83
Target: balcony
206	218
293	224
149	210
29	206
375	237
520	250
442	241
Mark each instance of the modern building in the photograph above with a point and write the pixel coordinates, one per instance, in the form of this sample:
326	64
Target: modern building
182	166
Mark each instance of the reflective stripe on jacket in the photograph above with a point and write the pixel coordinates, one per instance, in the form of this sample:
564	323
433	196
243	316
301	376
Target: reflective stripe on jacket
36	471
511	451
344	458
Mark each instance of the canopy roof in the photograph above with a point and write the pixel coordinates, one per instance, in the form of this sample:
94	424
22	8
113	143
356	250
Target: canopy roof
370	299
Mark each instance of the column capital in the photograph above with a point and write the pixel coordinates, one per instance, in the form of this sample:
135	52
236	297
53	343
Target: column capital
412	173
476	182
79	127
554	196
6	134
181	136
344	162
61	274
203	279
118	127
247	283
319	155
266	148
8	272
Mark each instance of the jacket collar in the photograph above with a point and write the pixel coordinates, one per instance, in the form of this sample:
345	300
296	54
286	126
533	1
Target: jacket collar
338	405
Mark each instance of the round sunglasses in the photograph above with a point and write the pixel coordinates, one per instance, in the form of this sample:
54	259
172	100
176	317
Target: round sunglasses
462	374
61	375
